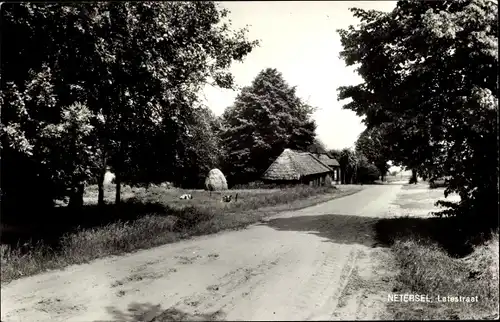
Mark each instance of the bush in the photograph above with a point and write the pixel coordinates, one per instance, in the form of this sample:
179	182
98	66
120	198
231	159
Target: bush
367	173
328	181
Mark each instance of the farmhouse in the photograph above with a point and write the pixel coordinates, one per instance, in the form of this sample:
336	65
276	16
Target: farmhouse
332	163
319	152
301	167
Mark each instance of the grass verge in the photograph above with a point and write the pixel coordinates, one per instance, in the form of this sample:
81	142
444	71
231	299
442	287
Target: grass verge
436	258
151	218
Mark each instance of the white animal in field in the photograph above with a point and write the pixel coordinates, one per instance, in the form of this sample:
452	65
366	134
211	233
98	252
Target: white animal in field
186	196
109	177
229	198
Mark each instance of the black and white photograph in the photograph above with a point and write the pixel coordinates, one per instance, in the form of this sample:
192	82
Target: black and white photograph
249	161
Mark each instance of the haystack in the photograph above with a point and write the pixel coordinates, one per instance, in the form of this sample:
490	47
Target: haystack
215	181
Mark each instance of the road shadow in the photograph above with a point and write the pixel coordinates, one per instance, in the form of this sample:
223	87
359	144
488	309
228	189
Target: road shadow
455	237
140	312
32	226
336	228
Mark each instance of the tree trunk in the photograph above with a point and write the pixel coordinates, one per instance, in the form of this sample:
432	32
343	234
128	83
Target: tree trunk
413	179
100	183
118	188
76	198
118	171
354	177
118	175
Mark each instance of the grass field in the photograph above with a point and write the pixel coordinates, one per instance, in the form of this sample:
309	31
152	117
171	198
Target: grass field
148	218
439	256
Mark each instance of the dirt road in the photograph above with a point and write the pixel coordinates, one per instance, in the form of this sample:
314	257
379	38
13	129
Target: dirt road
318	263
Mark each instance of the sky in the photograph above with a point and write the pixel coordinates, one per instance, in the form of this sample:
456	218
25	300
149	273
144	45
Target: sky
299	38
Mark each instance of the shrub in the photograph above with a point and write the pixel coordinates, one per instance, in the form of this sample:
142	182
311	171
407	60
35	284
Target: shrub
328	181
367	173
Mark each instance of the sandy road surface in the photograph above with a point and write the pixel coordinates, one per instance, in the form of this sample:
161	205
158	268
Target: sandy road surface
317	263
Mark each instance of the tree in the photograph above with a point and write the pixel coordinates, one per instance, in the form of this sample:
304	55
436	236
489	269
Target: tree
265	118
348	166
335	153
187	45
201	150
370	144
430	80
68	151
317	146
366	172
136	66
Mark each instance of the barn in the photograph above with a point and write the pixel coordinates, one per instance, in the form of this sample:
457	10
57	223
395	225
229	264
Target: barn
298	167
332	163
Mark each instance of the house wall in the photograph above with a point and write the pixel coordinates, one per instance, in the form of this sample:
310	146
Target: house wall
312	180
316	180
336	175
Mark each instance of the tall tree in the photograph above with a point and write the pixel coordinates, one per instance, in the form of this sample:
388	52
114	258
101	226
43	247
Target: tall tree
136	66
348	165
371	144
197	151
173	50
41	117
335	153
317	146
203	150
366	172
265	118
430	78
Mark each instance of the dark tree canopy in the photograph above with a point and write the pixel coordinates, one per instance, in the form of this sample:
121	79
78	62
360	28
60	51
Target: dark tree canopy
115	83
431	86
371	144
265	118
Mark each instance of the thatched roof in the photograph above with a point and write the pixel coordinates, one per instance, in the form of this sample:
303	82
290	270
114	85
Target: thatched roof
320	153
292	165
328	160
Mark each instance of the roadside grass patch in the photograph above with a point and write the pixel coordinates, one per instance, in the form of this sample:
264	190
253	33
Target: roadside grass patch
148	218
438	256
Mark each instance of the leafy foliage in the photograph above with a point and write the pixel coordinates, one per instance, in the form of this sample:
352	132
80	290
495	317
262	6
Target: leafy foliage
202	150
317	146
366	172
265	118
370	143
430	83
335	153
67	147
112	82
348	165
